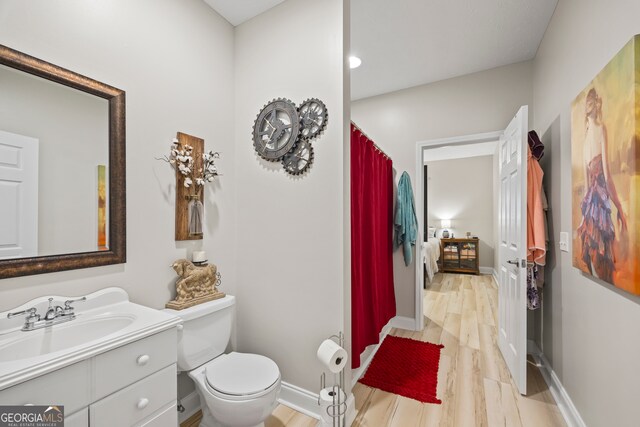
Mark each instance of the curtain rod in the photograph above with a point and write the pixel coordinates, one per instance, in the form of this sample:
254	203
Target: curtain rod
374	144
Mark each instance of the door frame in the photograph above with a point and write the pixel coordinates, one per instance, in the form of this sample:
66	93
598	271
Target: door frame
421	146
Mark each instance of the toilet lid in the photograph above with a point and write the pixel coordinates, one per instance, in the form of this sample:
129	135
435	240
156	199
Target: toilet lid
241	373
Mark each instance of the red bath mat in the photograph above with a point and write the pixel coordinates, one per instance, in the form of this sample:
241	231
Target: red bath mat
406	367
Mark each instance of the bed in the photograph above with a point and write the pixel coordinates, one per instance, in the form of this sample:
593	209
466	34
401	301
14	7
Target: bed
430	256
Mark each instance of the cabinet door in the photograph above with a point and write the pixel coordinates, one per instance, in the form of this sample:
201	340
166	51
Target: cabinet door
450	255
131	405
468	255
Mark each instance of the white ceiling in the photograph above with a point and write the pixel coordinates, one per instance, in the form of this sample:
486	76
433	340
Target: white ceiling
406	43
238	11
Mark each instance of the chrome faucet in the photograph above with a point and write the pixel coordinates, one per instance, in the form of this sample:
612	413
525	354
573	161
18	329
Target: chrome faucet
55	314
53	311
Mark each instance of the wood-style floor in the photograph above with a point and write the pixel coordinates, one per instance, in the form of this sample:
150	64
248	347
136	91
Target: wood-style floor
282	416
473	381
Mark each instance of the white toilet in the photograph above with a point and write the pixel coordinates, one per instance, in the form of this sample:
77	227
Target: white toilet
236	389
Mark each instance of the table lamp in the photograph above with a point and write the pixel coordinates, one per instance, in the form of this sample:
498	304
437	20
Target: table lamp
445	223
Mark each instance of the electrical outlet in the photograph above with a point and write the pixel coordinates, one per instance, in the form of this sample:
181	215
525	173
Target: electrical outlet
564	241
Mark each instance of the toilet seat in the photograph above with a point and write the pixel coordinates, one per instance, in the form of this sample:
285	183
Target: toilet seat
241	376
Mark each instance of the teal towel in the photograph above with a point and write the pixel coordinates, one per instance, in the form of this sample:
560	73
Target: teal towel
406	222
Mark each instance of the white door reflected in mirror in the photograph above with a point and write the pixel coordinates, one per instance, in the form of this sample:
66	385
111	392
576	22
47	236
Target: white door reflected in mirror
19	196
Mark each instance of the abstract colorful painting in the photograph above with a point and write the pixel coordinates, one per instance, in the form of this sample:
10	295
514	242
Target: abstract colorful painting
102	208
605	160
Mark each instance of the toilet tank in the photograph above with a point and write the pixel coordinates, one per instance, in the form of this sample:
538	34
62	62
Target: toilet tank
205	331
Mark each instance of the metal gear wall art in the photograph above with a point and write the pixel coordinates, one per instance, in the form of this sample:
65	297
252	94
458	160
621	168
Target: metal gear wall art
284	132
313	114
276	129
299	159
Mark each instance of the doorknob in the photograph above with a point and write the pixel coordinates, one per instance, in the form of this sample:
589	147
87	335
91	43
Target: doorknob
517	262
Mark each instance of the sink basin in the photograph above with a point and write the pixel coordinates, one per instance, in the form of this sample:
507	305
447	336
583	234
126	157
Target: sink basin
61	337
105	320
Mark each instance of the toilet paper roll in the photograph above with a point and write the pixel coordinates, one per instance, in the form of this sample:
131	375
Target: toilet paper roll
332	356
326	402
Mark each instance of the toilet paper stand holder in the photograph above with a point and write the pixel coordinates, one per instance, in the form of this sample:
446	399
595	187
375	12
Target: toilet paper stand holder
338	408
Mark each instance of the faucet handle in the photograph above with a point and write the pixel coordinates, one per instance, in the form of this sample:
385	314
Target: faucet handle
67	303
31	312
32	317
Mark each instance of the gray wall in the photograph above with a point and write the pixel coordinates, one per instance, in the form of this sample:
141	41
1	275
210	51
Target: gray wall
292	271
462	190
590	329
481	102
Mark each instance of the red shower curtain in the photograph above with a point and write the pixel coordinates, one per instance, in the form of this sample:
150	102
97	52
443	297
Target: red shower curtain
373	302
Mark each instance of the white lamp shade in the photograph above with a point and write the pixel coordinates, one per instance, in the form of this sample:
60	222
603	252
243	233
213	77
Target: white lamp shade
354	62
445	223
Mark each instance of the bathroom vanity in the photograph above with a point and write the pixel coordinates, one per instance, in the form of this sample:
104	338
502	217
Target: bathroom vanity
114	364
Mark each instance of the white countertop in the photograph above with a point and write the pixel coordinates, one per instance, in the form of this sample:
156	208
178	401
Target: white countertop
104	304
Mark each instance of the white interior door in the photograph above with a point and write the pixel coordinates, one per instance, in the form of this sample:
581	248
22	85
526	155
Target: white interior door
512	292
18	196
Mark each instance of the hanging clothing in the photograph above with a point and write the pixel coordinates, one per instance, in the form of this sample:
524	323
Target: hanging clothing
533	294
406	222
536	240
537	227
535	145
373	301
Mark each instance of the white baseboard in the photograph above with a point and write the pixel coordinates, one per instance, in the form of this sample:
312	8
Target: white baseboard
301	400
401	322
494	273
567	408
486	270
191	403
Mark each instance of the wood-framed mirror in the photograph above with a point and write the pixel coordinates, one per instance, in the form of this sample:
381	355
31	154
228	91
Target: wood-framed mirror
62	169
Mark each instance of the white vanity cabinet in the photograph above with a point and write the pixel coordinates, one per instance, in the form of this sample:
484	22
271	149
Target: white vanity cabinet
131	385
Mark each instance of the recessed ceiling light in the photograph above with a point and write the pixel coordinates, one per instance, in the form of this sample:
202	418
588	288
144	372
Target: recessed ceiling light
354	62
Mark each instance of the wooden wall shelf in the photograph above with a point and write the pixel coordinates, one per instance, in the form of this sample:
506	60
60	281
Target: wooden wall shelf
183	193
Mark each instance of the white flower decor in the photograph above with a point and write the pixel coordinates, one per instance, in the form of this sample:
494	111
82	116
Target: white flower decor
181	158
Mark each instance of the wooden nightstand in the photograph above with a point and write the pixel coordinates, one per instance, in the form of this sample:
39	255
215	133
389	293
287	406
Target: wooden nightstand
460	256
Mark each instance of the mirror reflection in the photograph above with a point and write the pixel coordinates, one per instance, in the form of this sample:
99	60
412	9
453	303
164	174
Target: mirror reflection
54	171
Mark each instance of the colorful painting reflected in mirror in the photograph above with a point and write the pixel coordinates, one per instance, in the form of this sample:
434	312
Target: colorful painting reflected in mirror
102	208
